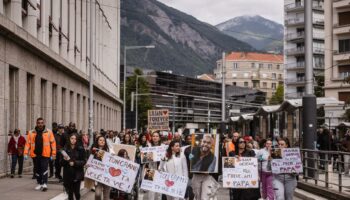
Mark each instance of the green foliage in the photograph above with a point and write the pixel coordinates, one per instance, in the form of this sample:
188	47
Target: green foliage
144	100
278	97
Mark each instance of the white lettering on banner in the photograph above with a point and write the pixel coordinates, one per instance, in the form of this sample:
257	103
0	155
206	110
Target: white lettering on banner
240	172
153	154
290	162
165	183
113	171
158	119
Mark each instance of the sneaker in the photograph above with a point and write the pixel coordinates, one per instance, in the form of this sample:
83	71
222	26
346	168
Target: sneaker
38	187
12	175
44	188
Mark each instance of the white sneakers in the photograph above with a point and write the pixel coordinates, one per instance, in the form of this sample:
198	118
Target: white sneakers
38	187
41	187
44	188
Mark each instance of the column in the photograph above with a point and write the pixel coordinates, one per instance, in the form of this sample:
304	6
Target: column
44	30
71	32
55	21
97	40
1	7
67	108
37	95
64	29
48	109
83	35
78	33
31	25
59	104
15	12
22	100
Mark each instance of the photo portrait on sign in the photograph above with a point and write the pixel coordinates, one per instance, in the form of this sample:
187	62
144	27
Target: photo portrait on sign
149	174
229	162
147	157
125	151
204	153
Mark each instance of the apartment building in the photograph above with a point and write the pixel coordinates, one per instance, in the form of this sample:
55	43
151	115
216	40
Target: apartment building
252	70
44	64
337	63
295	48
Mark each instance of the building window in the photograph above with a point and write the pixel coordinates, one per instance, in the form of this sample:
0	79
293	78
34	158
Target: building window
269	66
255	84
38	5
264	85
280	76
344	96
273	86
261	65
235	65
234	83
245	84
63	105
344	45
43	95
278	67
273	75
30	101
24	7
344	18
253	65
54	102
14	91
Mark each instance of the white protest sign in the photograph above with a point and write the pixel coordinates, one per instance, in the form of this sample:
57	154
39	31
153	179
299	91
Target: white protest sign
113	171
153	154
289	163
240	172
164	183
158	119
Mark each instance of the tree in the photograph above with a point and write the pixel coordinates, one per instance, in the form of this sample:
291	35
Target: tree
278	97
144	100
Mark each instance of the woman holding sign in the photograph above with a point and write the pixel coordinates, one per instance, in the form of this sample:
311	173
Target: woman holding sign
174	162
98	150
264	158
74	159
243	194
284	183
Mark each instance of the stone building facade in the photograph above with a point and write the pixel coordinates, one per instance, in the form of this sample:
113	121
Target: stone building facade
44	65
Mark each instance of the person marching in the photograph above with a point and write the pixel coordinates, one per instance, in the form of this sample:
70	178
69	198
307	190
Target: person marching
73	161
15	149
42	145
264	157
174	162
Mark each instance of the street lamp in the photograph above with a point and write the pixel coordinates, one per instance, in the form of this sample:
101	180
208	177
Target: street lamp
124	77
137	92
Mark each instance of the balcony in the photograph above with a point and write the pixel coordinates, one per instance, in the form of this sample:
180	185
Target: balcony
318	50
296	95
317	21
341	56
294	21
295	66
295	37
341	29
341	4
295	81
294	7
295	51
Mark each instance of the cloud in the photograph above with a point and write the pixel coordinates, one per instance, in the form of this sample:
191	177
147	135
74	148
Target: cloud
217	11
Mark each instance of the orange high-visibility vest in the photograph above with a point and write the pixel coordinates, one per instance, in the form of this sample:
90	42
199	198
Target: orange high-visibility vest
49	144
229	146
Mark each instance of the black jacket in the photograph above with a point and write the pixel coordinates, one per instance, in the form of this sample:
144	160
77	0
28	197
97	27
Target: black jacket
76	172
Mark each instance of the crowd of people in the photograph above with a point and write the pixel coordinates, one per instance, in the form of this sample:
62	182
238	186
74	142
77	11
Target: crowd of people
64	147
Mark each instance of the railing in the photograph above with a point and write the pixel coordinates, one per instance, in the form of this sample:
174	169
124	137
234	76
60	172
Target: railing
300	5
295	65
293	36
295	80
293	21
325	169
298	50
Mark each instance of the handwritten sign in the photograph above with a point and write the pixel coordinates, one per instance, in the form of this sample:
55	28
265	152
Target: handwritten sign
158	119
164	183
113	171
153	154
240	172
289	163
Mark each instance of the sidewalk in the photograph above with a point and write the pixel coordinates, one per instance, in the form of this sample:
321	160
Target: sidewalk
23	188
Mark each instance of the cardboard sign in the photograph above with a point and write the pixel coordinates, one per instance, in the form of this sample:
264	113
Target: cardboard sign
158	120
289	163
164	183
113	171
205	152
120	149
240	172
153	154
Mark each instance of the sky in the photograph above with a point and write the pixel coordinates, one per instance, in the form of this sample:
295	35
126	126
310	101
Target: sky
217	11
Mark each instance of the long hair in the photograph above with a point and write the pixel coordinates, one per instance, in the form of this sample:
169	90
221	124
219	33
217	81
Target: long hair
286	140
160	141
143	144
169	151
95	145
121	153
237	145
130	139
69	144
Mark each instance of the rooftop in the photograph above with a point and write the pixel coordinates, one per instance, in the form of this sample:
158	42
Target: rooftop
250	56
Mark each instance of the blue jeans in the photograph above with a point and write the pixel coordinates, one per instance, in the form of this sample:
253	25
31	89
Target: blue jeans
15	159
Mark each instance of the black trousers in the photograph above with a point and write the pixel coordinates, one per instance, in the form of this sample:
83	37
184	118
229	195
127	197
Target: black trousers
34	168
41	169
73	189
58	166
51	164
15	159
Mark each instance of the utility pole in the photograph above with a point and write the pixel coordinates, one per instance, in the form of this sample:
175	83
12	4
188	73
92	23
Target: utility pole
223	93
91	81
309	99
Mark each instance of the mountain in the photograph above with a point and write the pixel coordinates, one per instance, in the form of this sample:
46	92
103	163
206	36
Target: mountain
259	32
183	44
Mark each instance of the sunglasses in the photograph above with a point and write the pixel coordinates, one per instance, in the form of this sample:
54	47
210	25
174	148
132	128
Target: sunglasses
240	142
